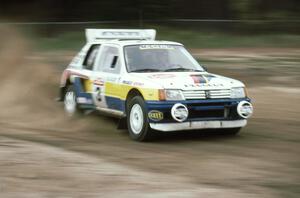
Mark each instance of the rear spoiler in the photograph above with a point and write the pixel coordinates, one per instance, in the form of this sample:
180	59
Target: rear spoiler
126	34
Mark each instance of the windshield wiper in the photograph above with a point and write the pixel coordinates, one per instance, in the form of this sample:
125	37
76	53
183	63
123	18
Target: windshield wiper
146	70
182	69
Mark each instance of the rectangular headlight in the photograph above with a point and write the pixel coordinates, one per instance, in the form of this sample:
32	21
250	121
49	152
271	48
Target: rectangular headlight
174	94
238	92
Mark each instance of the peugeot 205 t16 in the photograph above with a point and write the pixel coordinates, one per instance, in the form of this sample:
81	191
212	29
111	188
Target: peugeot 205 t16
150	85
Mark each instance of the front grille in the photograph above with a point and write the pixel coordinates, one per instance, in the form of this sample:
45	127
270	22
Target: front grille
216	113
221	93
194	94
206	94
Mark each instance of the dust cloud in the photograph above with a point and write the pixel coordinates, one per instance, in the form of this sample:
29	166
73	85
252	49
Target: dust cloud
29	87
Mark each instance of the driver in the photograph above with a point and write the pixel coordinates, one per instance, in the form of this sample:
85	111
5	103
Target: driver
162	59
155	59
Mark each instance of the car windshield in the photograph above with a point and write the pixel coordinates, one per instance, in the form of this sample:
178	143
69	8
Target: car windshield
159	58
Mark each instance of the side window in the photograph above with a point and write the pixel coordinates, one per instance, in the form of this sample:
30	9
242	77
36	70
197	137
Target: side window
109	60
91	57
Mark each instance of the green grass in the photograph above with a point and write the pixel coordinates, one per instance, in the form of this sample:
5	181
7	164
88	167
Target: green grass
192	39
214	39
65	41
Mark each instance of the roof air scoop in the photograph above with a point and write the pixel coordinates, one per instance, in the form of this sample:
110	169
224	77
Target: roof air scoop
124	34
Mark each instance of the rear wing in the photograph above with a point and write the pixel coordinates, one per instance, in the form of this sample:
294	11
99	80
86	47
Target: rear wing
125	34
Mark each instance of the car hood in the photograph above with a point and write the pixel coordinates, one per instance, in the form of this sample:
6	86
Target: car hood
189	80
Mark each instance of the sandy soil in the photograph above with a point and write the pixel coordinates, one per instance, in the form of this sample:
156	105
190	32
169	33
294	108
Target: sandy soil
45	154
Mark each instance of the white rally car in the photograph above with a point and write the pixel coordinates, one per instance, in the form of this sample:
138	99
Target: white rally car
150	85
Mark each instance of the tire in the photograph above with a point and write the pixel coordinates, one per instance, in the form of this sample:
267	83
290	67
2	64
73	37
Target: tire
137	120
71	106
231	131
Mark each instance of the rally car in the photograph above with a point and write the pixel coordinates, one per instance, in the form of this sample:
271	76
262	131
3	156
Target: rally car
150	85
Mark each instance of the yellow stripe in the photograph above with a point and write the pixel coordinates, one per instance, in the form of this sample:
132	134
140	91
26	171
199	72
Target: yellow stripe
121	91
88	85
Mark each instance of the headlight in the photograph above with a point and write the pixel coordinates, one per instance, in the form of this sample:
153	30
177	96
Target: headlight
238	93
173	94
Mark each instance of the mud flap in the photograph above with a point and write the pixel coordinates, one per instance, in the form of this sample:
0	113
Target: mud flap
122	124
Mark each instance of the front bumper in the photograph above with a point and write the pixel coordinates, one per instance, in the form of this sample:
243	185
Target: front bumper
199	110
190	125
203	114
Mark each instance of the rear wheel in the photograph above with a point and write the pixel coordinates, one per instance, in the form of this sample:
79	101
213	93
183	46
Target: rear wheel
137	121
70	103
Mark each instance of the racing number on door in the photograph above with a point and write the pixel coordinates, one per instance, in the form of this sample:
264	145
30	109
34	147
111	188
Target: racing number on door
99	92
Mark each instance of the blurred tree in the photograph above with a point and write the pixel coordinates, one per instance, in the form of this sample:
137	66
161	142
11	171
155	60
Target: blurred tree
243	9
265	9
69	10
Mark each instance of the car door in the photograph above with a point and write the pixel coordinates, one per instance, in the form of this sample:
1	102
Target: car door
107	73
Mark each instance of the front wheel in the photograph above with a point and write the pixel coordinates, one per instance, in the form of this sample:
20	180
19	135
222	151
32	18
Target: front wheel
137	121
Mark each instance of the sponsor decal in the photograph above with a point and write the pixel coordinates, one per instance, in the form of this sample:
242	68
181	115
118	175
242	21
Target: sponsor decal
161	76
99	82
155	115
138	84
132	83
127	82
205	85
199	79
123	33
168	47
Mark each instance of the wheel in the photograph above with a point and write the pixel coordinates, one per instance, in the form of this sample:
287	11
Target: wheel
231	131
137	120
70	104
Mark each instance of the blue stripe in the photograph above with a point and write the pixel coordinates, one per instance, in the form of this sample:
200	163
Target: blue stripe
115	103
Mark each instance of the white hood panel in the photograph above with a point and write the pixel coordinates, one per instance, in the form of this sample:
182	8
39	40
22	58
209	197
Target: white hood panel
189	80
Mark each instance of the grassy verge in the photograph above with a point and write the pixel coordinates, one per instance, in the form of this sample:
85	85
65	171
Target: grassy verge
73	40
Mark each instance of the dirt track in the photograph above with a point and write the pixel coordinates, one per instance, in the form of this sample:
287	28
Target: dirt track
45	154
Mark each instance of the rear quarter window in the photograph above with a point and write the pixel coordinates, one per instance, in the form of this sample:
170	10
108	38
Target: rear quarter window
90	58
